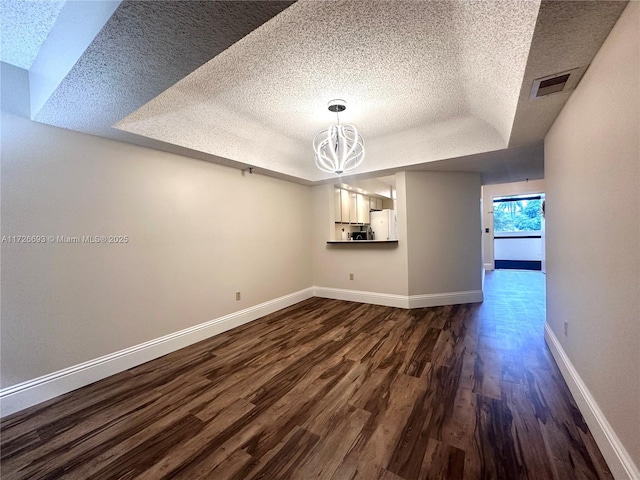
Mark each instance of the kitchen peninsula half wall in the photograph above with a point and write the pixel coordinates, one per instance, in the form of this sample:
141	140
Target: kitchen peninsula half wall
437	259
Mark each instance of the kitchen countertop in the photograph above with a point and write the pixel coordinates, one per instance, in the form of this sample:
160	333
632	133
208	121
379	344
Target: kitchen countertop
362	241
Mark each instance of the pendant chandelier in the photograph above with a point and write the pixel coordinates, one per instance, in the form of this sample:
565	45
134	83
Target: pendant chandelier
340	148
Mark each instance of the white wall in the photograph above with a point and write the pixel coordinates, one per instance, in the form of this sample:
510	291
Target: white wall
515	248
438	254
592	176
500	190
379	268
443	232
198	232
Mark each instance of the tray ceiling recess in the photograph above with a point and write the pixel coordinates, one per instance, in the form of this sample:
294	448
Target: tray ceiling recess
245	83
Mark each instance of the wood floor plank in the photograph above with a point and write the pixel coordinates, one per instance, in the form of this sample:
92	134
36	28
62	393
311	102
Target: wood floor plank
190	448
282	465
151	451
526	433
329	452
40	415
455	427
442	461
363	470
234	465
263	427
116	439
329	390
390	412
66	439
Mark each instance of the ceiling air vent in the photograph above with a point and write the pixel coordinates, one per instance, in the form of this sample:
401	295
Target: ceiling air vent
558	82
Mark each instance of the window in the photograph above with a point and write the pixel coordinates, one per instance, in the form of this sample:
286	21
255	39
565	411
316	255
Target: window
517	214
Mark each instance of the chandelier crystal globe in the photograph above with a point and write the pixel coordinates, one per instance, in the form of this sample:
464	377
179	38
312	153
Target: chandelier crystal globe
340	148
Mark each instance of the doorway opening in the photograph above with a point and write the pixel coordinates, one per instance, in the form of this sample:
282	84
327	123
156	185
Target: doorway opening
518	229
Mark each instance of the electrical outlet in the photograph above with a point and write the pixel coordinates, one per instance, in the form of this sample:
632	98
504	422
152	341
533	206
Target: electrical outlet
566	328
351	276
237	296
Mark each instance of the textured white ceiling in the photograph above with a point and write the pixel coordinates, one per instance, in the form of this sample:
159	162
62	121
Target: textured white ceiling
430	84
567	35
423	81
24	26
144	48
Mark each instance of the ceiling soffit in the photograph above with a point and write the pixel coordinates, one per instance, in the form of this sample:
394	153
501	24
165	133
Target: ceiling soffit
567	35
434	85
410	71
144	48
25	26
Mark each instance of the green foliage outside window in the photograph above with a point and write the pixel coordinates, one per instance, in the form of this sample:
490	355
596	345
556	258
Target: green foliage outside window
517	215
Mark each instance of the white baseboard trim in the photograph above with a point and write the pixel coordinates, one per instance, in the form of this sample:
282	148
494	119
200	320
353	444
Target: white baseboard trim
400	301
450	298
29	393
617	457
489	266
386	299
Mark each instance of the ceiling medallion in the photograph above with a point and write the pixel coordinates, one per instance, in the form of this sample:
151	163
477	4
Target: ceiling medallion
340	148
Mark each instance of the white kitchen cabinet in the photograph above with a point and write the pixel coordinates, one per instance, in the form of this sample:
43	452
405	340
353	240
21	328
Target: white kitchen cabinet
362	208
375	203
353	207
337	205
344	206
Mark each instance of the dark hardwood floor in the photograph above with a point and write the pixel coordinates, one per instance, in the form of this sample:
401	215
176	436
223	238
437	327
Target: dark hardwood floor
329	389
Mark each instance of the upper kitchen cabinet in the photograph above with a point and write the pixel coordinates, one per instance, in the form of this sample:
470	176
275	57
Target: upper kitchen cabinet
337	204
362	207
344	206
353	207
375	203
350	207
353	204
